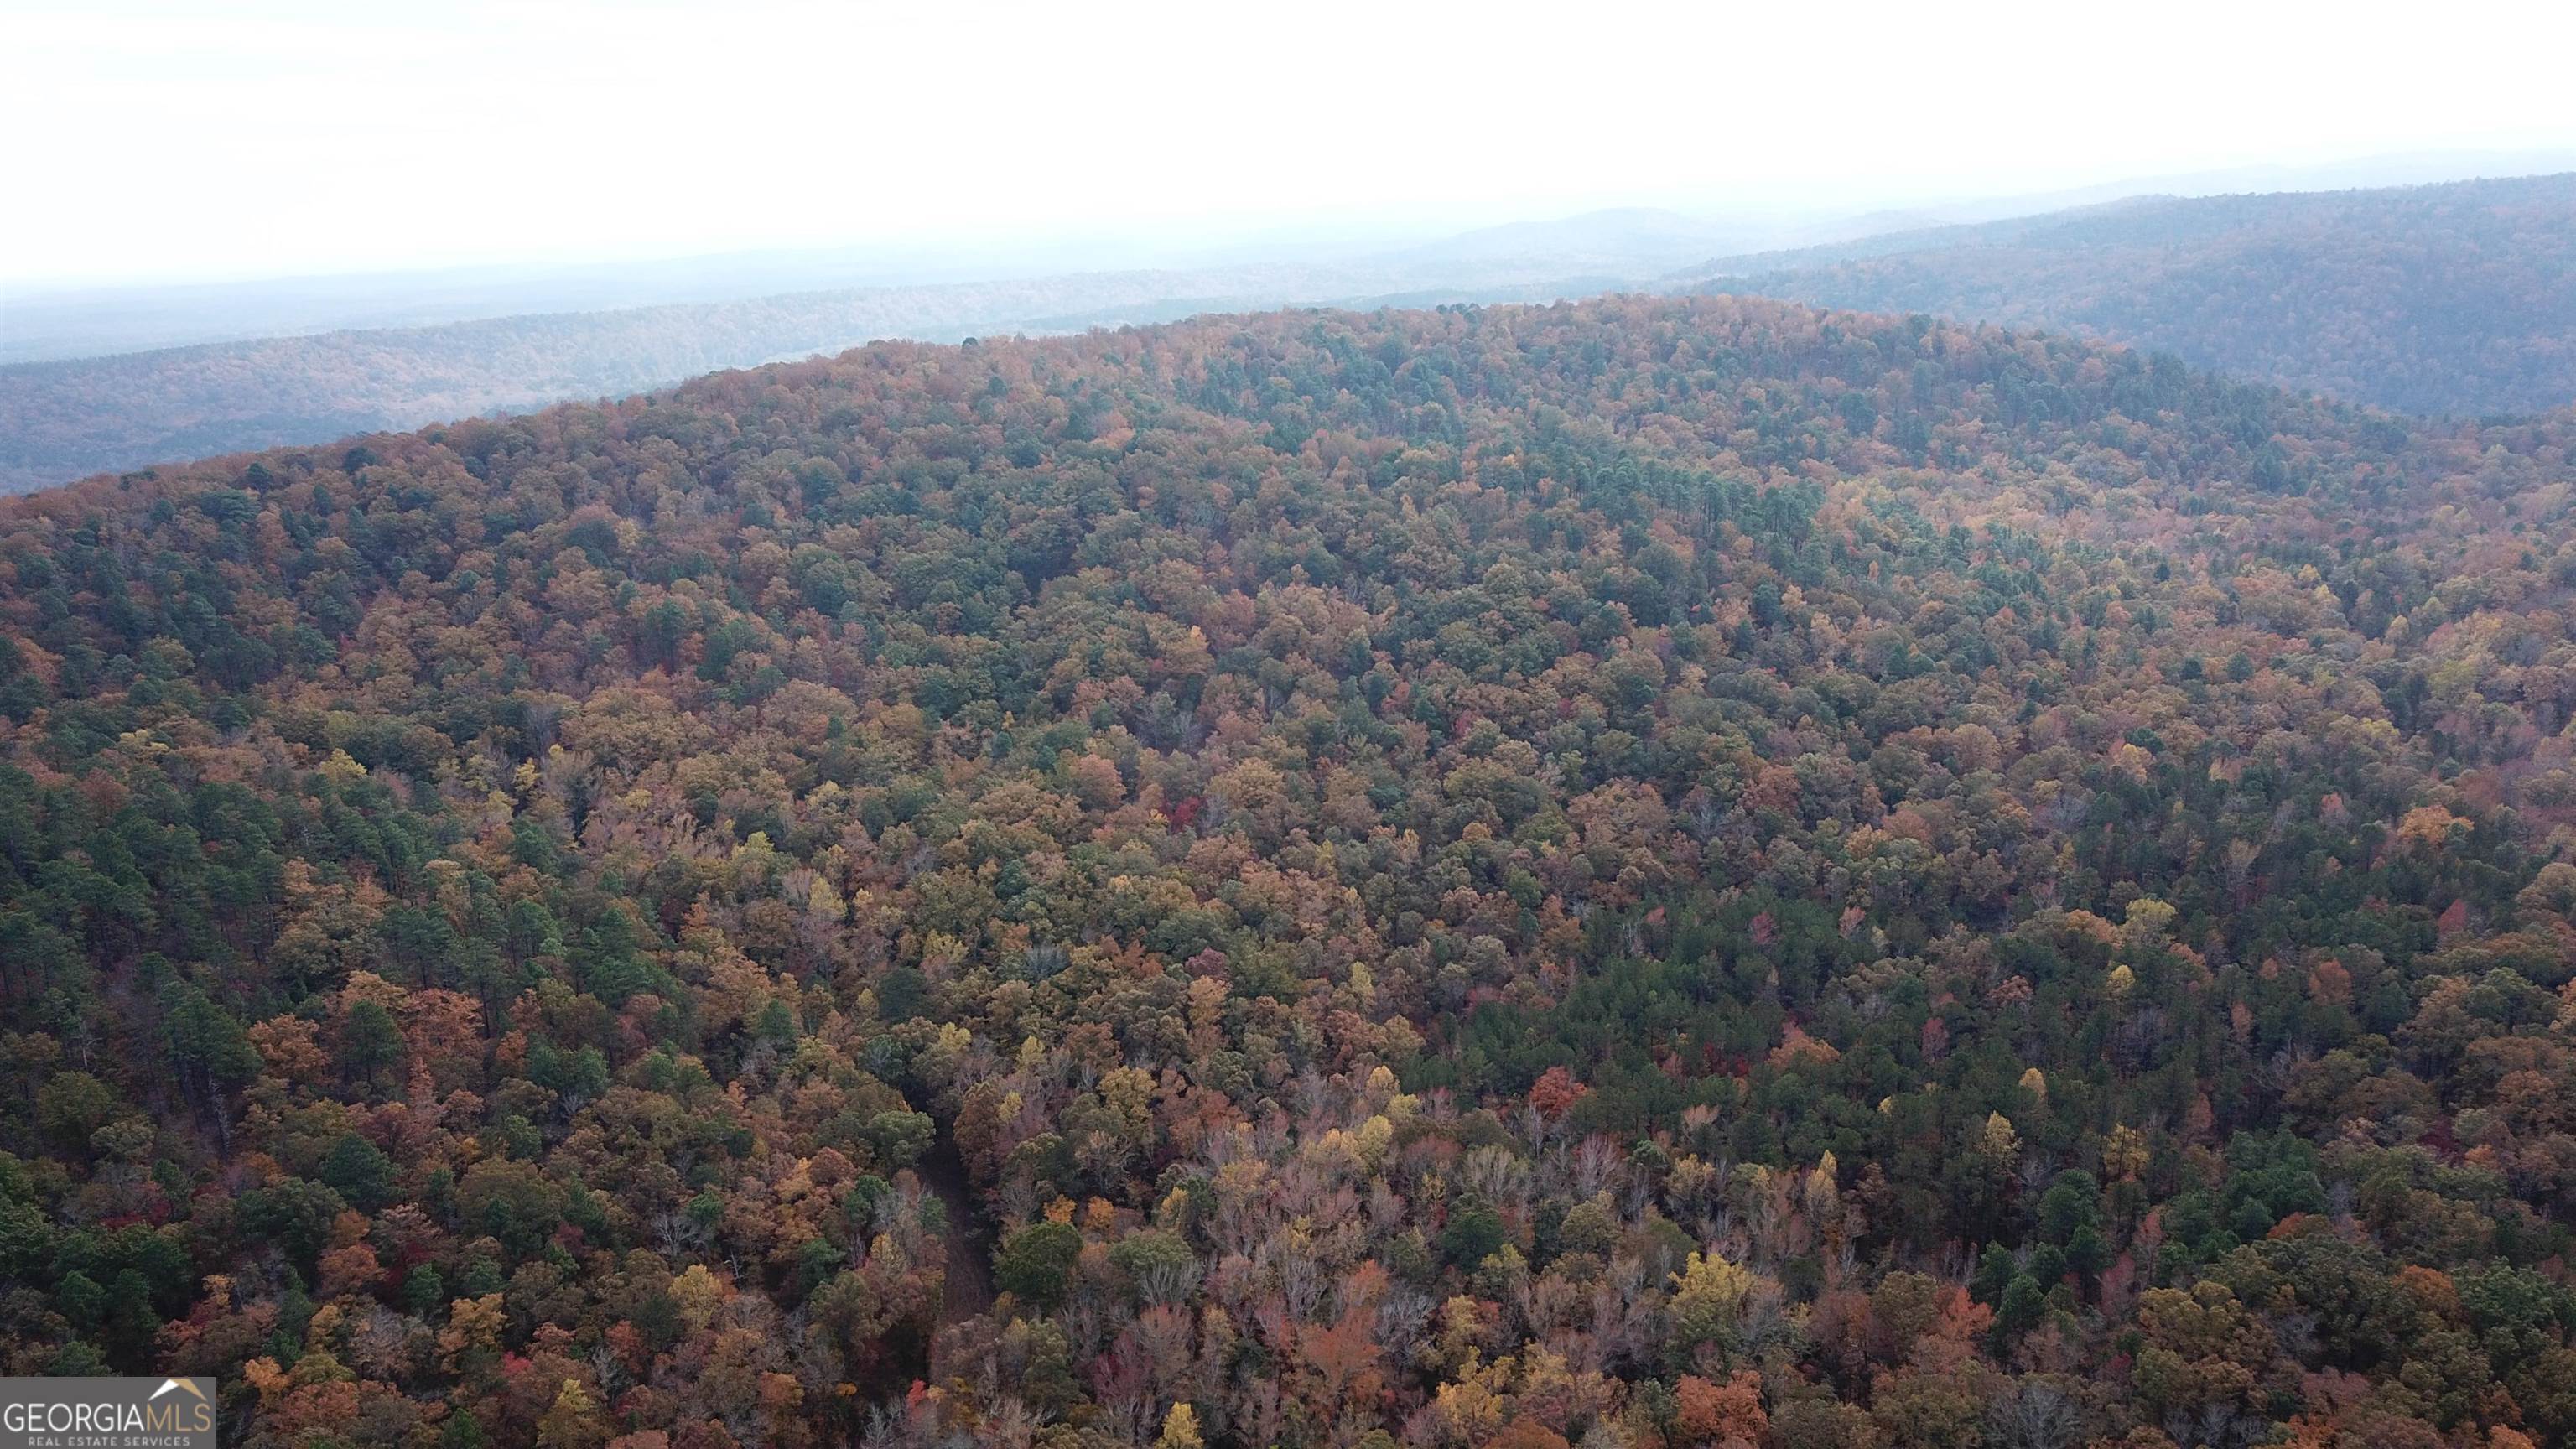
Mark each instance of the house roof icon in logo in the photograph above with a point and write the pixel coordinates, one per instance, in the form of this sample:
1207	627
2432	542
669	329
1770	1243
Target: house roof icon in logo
187	1386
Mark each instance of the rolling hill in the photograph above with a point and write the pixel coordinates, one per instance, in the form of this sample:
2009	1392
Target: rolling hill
2456	299
67	417
1656	872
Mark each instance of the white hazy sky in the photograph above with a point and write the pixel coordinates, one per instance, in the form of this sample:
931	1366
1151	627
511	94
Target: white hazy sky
175	140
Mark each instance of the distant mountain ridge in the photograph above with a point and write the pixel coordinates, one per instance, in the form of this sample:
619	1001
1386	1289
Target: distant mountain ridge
2454	299
61	323
66	418
2447	299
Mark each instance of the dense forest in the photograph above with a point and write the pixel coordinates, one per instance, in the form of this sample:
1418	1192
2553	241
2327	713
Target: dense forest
2457	299
1642	874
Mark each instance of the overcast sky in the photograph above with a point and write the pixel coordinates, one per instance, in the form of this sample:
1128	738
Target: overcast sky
170	140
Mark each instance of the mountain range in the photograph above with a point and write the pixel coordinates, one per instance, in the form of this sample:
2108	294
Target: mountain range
2448	299
2456	299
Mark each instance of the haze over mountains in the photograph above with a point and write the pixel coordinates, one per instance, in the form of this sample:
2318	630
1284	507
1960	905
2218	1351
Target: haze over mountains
64	323
47	322
2443	299
2267	286
63	418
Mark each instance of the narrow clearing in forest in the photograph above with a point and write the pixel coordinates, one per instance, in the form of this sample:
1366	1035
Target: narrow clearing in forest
967	1285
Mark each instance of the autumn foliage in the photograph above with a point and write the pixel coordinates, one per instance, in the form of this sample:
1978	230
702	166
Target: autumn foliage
1653	873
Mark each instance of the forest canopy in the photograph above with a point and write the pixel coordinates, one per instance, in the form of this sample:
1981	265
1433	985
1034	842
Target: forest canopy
1646	873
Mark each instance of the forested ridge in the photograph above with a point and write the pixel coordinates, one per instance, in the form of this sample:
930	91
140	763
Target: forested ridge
1647	873
67	418
2454	299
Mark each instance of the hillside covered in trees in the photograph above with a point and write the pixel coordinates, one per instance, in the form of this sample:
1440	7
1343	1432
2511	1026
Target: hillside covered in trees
1651	873
2456	299
64	417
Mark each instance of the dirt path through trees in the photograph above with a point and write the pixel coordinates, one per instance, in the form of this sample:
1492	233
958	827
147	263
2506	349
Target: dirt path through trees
967	1285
